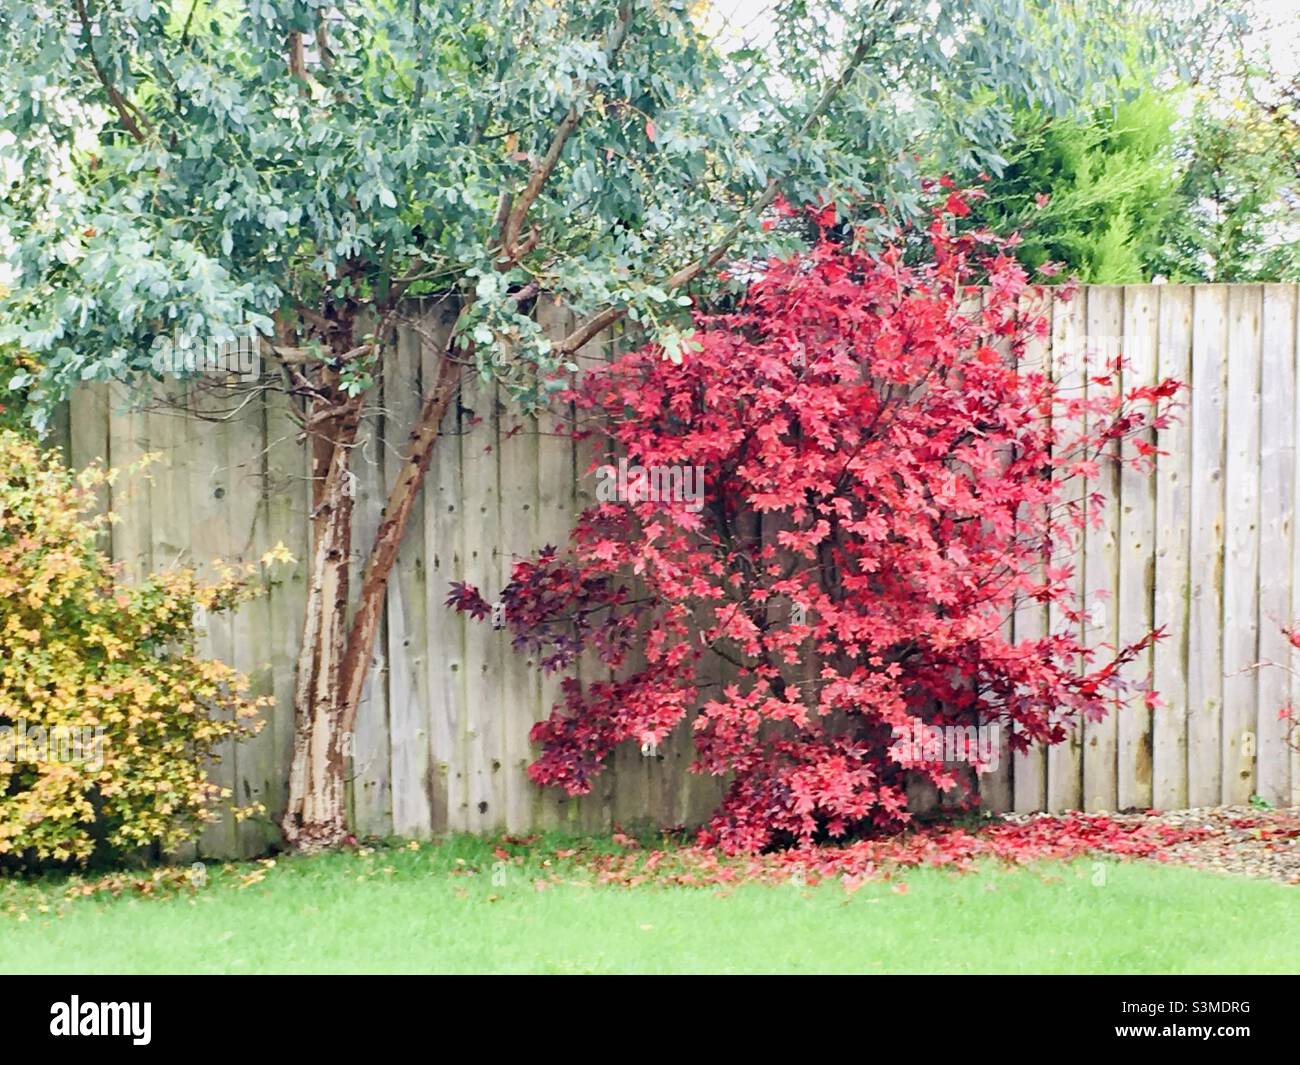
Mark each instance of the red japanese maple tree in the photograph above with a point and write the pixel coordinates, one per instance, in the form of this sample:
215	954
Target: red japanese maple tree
881	485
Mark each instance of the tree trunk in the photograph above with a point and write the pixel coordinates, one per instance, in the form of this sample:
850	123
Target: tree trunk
335	658
316	815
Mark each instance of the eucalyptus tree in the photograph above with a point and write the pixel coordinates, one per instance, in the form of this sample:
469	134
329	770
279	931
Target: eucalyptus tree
307	165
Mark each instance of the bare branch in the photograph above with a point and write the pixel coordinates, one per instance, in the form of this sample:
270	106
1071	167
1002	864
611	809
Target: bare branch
514	223
503	215
292	356
185	31
323	40
127	112
297	56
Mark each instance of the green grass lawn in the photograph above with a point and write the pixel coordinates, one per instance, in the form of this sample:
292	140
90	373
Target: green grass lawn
445	908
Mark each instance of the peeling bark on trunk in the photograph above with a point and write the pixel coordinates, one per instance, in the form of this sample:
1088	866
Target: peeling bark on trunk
316	815
335	657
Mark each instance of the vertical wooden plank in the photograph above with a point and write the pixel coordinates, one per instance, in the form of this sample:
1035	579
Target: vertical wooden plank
88	441
631	807
372	795
128	428
444	538
484	645
1065	760
1029	770
552	523
594	811
1205	610
690	799
671	789
519	506
1277	489
1241	544
676	797
693	797
407	604
207	439
254	760
995	787
288	505
1293	733
1173	487
170	520
88	407
1137	512
1101	555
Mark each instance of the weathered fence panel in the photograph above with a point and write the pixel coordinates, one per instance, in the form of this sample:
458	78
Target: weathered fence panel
1205	624
1030	621
1205	549
1172	538
1069	348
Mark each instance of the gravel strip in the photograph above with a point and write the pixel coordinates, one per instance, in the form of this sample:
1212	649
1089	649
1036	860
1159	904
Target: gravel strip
1232	839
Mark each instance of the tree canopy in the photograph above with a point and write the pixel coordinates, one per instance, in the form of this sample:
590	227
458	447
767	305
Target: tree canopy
201	164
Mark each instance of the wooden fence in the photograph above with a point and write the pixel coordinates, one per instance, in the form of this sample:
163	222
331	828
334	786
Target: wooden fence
1206	549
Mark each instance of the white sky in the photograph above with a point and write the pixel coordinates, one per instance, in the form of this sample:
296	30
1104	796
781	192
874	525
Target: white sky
1283	34
739	20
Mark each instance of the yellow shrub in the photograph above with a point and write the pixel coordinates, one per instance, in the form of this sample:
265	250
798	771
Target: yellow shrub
108	717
